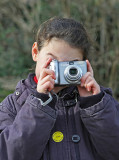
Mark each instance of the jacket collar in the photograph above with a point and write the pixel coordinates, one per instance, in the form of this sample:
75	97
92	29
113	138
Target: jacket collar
29	82
68	92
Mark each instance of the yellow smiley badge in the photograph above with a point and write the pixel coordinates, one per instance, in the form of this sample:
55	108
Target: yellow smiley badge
58	136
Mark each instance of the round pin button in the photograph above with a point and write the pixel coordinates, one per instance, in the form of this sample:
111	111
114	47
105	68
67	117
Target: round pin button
75	138
58	136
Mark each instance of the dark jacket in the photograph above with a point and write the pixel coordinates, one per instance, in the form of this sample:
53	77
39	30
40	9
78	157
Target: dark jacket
89	126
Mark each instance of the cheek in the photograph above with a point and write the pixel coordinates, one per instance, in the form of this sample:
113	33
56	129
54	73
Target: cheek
37	70
39	65
41	61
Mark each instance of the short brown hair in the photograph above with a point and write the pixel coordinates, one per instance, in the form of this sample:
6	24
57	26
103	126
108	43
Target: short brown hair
69	30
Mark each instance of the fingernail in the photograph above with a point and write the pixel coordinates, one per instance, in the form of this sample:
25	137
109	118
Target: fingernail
54	76
85	85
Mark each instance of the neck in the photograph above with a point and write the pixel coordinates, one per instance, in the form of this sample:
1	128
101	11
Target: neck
58	88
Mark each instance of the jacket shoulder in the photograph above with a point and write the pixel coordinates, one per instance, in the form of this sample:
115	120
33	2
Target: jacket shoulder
15	101
107	90
21	93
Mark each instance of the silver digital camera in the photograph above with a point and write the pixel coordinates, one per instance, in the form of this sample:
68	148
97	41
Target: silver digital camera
68	73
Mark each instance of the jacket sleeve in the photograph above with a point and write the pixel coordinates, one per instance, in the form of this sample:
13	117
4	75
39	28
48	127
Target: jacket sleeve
24	135
102	122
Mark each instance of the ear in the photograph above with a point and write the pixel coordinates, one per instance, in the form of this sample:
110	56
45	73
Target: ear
34	51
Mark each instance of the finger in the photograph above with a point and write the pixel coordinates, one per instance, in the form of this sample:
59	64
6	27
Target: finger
89	67
47	78
88	80
46	72
83	79
47	63
89	85
48	86
93	87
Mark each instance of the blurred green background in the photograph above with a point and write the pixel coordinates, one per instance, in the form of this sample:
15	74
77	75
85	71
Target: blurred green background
19	21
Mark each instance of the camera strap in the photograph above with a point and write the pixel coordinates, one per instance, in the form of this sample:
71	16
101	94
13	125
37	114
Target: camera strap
49	99
46	102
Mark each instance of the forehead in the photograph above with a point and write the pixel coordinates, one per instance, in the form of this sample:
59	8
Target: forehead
61	49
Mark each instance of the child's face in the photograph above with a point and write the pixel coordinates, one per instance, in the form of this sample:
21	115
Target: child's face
55	49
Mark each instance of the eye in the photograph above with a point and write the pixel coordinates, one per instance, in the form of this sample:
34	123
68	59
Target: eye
49	56
52	56
76	60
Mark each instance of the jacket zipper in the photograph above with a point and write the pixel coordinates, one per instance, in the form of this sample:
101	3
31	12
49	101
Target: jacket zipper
67	132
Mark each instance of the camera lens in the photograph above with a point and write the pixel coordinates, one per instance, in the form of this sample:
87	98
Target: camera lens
73	71
73	74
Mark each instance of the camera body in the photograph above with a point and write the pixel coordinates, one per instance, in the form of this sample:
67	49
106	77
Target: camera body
69	72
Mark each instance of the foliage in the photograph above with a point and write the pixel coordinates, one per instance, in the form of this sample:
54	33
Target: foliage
4	93
20	20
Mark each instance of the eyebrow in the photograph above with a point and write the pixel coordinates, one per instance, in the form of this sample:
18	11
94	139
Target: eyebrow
55	57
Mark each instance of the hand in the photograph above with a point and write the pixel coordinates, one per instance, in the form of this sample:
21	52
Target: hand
88	86
46	80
